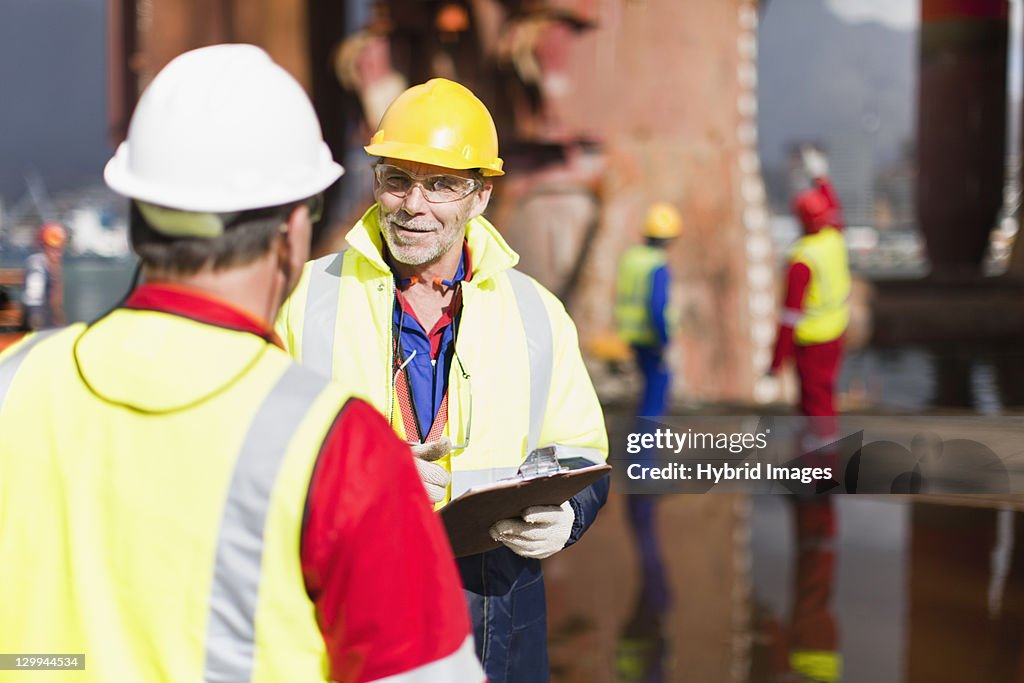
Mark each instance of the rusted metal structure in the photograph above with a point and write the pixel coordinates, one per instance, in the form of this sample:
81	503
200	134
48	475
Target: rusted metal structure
603	107
961	129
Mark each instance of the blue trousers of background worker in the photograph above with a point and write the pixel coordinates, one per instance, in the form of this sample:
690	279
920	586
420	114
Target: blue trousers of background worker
653	603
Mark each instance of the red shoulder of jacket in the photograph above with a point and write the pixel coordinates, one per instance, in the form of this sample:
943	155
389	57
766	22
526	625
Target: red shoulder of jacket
376	559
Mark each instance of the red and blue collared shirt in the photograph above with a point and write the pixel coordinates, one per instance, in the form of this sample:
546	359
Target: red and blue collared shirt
427	371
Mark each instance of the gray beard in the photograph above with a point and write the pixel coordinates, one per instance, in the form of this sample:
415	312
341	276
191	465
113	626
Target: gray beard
412	255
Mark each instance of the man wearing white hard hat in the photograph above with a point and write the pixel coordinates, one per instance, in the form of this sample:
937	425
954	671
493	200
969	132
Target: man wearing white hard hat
179	501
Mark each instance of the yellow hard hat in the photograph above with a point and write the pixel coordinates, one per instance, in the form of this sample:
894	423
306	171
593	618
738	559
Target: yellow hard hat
663	221
442	123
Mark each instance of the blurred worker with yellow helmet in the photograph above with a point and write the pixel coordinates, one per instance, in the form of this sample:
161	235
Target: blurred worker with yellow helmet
642	316
425	315
663	222
647	322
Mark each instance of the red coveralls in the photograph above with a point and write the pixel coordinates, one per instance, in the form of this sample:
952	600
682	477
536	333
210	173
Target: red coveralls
813	624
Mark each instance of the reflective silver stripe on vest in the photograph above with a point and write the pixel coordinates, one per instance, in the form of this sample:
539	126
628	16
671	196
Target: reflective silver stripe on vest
467	479
540	346
9	367
460	665
791	316
231	629
321	316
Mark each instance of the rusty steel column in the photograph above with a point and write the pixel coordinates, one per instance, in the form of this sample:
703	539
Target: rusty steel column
949	577
634	84
166	28
122	88
961	129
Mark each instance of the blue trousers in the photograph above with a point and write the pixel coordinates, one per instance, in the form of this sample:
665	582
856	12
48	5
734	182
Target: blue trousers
654	594
657	378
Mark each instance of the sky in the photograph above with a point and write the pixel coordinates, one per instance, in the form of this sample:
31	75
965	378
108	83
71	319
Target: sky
53	92
906	14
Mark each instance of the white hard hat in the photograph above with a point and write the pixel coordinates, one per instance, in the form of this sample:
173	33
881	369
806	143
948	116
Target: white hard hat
222	129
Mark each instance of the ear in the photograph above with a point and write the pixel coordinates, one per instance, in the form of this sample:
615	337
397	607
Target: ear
298	235
480	199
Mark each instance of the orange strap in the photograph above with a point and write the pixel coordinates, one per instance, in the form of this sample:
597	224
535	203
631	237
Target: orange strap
404	399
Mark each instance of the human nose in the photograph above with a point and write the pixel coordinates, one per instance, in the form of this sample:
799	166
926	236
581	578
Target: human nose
415	201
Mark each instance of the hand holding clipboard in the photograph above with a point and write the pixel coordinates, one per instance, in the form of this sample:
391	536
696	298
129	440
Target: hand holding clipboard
541	481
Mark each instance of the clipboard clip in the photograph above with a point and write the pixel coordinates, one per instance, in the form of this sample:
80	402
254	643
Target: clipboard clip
541	462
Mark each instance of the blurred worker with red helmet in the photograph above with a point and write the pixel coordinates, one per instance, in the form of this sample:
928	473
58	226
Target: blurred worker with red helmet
816	308
43	292
814	318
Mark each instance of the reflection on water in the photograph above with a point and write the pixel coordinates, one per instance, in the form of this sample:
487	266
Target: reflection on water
872	541
925	590
982	379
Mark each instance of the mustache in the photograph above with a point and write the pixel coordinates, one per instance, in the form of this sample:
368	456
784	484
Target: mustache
411	223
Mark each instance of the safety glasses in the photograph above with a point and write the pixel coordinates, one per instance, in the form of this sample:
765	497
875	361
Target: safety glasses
315	205
437	189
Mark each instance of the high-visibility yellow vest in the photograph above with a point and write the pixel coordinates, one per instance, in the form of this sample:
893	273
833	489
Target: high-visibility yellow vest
517	380
826	310
157	531
633	295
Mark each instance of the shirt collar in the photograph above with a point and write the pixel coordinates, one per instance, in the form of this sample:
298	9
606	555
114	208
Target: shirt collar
463	272
491	254
199	306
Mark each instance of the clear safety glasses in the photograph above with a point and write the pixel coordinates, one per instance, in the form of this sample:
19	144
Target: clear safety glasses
315	205
437	189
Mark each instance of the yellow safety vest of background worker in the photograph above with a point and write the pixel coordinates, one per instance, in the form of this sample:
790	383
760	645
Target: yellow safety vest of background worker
504	374
164	470
826	303
642	314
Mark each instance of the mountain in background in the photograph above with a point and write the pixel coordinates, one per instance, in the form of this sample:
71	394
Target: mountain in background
819	79
53	95
850	86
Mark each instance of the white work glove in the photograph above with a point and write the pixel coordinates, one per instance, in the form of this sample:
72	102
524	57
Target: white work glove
815	163
434	477
541	532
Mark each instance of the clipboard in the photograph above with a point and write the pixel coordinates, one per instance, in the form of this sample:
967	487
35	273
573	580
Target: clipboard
468	518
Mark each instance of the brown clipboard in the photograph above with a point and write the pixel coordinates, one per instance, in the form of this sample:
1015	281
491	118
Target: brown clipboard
468	518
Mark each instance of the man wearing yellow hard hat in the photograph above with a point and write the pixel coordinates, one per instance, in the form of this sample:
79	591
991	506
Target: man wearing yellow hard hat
181	501
475	364
645	320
